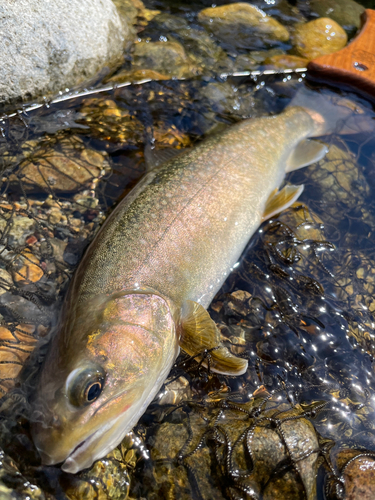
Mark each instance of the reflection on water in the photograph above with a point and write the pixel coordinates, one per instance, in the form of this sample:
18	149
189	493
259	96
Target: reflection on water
299	305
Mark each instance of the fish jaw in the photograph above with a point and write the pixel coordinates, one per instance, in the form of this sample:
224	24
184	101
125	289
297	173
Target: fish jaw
138	362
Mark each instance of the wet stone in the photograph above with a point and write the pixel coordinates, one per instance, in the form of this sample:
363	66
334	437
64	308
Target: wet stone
225	99
318	38
108	478
134	11
242	25
167	58
17	228
237	304
339	181
357	473
14	486
64	165
347	13
110	122
175	392
73	252
255	58
22	309
5	281
198	467
285	61
199	45
30	272
137	76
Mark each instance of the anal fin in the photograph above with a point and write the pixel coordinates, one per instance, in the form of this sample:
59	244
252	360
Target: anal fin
199	333
306	153
280	200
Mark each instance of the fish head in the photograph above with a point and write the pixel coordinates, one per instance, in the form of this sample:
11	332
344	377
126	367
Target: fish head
103	368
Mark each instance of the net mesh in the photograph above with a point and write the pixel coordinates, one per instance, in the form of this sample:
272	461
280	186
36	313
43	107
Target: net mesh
299	306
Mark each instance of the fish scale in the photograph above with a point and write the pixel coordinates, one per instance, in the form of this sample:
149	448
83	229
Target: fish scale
215	197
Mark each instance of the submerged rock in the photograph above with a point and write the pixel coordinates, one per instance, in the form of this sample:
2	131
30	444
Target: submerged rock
110	122
198	44
340	183
48	45
319	37
282	446
130	10
243	25
225	99
357	477
167	58
285	61
347	13
63	166
137	75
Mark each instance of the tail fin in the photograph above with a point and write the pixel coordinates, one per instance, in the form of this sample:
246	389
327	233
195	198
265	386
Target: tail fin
333	113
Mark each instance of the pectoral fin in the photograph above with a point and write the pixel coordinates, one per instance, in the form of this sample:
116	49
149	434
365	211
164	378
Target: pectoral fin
280	200
306	153
199	333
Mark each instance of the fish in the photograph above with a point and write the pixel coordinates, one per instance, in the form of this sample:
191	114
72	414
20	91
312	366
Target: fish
142	289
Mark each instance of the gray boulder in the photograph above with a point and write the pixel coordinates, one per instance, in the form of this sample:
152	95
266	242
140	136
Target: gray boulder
49	45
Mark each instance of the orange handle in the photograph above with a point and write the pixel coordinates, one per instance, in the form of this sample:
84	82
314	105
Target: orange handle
354	65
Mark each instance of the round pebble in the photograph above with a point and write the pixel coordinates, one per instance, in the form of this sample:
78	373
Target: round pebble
319	37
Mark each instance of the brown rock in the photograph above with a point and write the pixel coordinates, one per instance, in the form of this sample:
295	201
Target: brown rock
138	75
285	61
358	474
110	122
319	37
19	227
167	58
242	25
289	440
5	281
345	12
62	167
31	270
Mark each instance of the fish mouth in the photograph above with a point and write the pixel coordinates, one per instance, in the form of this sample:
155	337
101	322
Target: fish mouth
96	445
71	463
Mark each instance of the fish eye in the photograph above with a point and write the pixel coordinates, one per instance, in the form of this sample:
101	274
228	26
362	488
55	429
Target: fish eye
86	387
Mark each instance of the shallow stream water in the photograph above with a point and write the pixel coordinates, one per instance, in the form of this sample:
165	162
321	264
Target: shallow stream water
299	305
